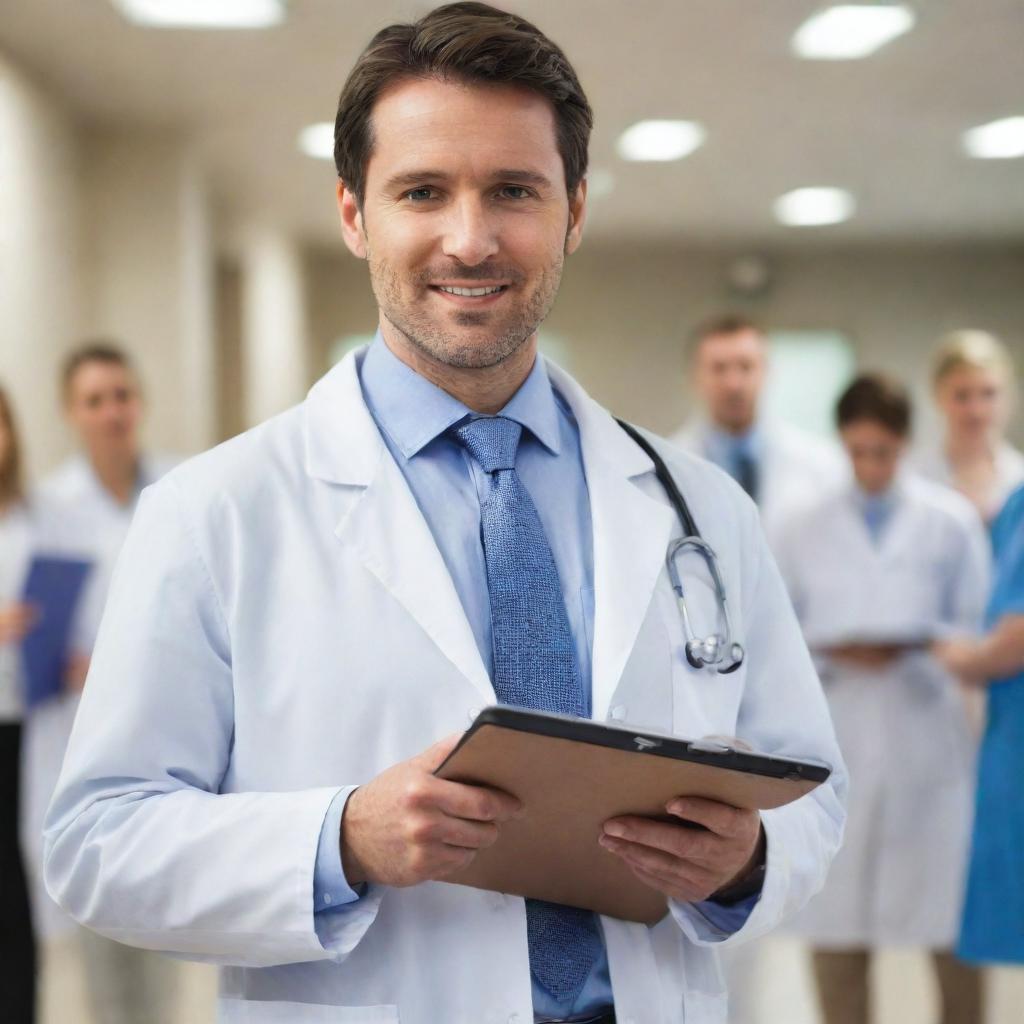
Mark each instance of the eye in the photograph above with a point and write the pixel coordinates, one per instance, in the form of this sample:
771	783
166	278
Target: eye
514	192
419	195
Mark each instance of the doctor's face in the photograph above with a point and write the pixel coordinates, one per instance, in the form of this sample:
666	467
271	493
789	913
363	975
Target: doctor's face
973	401
104	407
465	222
875	452
729	371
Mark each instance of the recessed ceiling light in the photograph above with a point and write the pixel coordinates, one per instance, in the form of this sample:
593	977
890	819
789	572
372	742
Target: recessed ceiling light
850	31
811	207
203	13
997	140
317	140
660	140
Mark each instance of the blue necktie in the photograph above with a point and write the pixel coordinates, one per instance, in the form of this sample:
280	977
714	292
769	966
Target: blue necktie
535	665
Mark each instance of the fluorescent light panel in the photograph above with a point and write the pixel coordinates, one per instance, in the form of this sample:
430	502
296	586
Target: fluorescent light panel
851	31
660	140
203	13
997	140
317	140
813	207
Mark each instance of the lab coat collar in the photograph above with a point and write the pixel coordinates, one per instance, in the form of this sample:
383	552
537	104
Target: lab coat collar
381	521
631	534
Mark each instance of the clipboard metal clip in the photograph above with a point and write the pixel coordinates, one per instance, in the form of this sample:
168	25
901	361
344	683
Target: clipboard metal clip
645	743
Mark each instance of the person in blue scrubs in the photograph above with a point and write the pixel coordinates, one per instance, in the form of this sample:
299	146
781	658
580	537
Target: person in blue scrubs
993	918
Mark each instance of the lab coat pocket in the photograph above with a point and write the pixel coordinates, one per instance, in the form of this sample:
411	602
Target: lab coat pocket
251	1011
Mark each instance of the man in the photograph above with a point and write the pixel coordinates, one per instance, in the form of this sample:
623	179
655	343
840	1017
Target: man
780	467
309	615
84	510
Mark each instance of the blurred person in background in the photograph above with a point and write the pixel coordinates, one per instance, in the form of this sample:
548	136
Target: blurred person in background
17	944
973	383
83	510
780	467
993	919
876	570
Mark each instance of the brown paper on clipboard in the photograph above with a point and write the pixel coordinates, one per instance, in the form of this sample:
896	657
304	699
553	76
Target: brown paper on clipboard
570	789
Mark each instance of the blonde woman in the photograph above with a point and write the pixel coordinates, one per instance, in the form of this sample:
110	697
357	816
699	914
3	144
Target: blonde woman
973	385
17	945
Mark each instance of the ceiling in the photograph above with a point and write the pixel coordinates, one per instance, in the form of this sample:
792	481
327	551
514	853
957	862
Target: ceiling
888	127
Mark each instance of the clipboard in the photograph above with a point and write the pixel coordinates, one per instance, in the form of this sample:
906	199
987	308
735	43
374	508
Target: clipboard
573	775
54	585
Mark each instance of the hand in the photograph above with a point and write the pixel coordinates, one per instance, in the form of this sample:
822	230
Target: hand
407	826
75	672
16	620
869	656
959	658
687	864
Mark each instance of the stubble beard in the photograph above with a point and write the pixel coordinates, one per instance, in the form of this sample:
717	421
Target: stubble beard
497	336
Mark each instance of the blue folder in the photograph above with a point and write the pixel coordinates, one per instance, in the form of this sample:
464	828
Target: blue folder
53	586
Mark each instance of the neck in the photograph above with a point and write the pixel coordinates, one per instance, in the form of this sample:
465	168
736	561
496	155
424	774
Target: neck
734	429
484	389
972	448
118	472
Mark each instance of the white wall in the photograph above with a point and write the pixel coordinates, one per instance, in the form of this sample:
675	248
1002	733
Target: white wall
148	273
40	295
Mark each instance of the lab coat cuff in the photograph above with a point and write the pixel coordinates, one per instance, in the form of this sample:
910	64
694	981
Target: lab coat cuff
331	890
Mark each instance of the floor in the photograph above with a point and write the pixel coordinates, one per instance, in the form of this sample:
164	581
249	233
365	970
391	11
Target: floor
904	991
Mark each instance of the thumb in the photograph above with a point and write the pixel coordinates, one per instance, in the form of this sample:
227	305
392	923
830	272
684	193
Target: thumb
433	757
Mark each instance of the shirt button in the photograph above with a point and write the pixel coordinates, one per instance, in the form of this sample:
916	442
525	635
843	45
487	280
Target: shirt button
619	712
514	1018
327	898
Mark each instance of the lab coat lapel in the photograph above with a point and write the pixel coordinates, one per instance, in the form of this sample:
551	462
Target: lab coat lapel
383	524
631	535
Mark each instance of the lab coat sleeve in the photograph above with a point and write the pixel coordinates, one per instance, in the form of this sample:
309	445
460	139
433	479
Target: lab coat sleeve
140	843
782	711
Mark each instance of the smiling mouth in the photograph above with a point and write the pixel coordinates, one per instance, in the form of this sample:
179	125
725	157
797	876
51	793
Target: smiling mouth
481	292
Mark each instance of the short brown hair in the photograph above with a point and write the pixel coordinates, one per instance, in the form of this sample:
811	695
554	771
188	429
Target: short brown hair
463	42
100	350
721	323
12	485
877	398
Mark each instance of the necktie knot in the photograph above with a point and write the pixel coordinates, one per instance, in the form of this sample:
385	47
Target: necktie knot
492	441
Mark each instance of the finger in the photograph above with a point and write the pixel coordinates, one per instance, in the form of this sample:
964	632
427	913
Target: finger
476	803
671	870
683	891
722	819
434	756
452	859
467	835
660	835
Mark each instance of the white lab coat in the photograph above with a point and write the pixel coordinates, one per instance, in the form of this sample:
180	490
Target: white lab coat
795	468
73	516
282	624
903	731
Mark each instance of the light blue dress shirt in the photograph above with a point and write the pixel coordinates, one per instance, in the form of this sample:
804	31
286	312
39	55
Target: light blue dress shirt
414	416
727	450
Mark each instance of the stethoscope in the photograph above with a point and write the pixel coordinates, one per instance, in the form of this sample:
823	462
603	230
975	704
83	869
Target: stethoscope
718	650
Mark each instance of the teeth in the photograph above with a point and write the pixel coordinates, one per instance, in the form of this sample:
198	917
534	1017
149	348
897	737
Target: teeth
471	291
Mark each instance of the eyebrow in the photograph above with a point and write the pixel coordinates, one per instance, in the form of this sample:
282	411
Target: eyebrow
407	179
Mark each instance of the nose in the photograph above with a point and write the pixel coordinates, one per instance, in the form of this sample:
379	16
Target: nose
470	234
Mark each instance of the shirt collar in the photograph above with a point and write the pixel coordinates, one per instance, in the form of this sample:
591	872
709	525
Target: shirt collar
414	412
723	446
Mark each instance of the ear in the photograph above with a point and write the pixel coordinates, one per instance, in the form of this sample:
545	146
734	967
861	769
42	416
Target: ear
577	218
351	218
